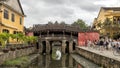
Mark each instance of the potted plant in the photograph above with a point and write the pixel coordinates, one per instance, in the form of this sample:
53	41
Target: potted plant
19	48
29	40
23	47
4	37
12	49
6	50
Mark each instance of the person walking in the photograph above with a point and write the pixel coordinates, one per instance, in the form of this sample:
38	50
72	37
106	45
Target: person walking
110	44
89	43
105	45
101	44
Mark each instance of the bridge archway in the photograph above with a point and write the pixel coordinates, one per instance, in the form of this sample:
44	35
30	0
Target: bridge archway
43	47
54	45
50	33
51	47
67	47
74	44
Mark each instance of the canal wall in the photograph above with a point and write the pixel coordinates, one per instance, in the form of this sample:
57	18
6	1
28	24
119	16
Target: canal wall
102	60
16	53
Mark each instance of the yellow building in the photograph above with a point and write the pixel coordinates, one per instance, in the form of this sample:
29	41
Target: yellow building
11	16
111	13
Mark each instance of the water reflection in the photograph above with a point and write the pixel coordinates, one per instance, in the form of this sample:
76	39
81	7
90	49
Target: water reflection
46	61
58	55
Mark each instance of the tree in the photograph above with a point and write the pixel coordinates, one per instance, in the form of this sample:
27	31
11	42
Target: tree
110	26
80	23
99	24
107	23
19	37
4	37
31	39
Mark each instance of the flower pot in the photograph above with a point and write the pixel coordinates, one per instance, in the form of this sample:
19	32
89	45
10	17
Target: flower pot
5	50
29	46
32	45
23	47
19	48
12	49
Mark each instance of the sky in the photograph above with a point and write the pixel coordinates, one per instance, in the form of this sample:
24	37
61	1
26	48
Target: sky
68	11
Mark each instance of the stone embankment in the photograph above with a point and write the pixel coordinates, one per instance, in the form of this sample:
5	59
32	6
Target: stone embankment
16	53
105	58
84	62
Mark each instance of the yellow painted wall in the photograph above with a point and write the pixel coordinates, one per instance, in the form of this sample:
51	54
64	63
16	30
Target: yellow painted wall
103	14
0	19
16	24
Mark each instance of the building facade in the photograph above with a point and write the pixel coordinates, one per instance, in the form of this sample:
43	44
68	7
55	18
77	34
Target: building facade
11	16
108	13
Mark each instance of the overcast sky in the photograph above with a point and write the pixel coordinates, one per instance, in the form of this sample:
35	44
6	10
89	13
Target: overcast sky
42	11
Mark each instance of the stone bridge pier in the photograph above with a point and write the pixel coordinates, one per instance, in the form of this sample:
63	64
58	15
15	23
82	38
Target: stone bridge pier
65	46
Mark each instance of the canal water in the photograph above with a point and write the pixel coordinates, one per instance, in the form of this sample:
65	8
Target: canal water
66	61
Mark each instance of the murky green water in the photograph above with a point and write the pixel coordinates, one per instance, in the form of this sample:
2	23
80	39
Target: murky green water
66	61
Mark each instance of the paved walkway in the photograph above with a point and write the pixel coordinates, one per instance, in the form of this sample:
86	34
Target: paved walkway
106	53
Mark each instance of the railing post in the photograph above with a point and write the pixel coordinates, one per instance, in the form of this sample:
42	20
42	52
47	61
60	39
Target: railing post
63	46
47	47
71	46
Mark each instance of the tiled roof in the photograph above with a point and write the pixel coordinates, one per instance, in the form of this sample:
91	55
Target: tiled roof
14	4
111	8
56	27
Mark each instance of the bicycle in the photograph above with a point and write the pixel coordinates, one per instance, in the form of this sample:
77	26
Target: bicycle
116	51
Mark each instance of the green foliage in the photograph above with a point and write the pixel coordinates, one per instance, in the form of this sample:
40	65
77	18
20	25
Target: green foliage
107	23
31	39
13	36
2	42
17	61
110	26
20	37
4	37
80	23
54	54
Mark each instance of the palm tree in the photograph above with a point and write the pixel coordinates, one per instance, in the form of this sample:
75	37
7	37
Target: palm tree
32	39
4	37
20	37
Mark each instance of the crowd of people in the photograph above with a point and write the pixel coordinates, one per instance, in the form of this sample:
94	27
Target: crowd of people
104	44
